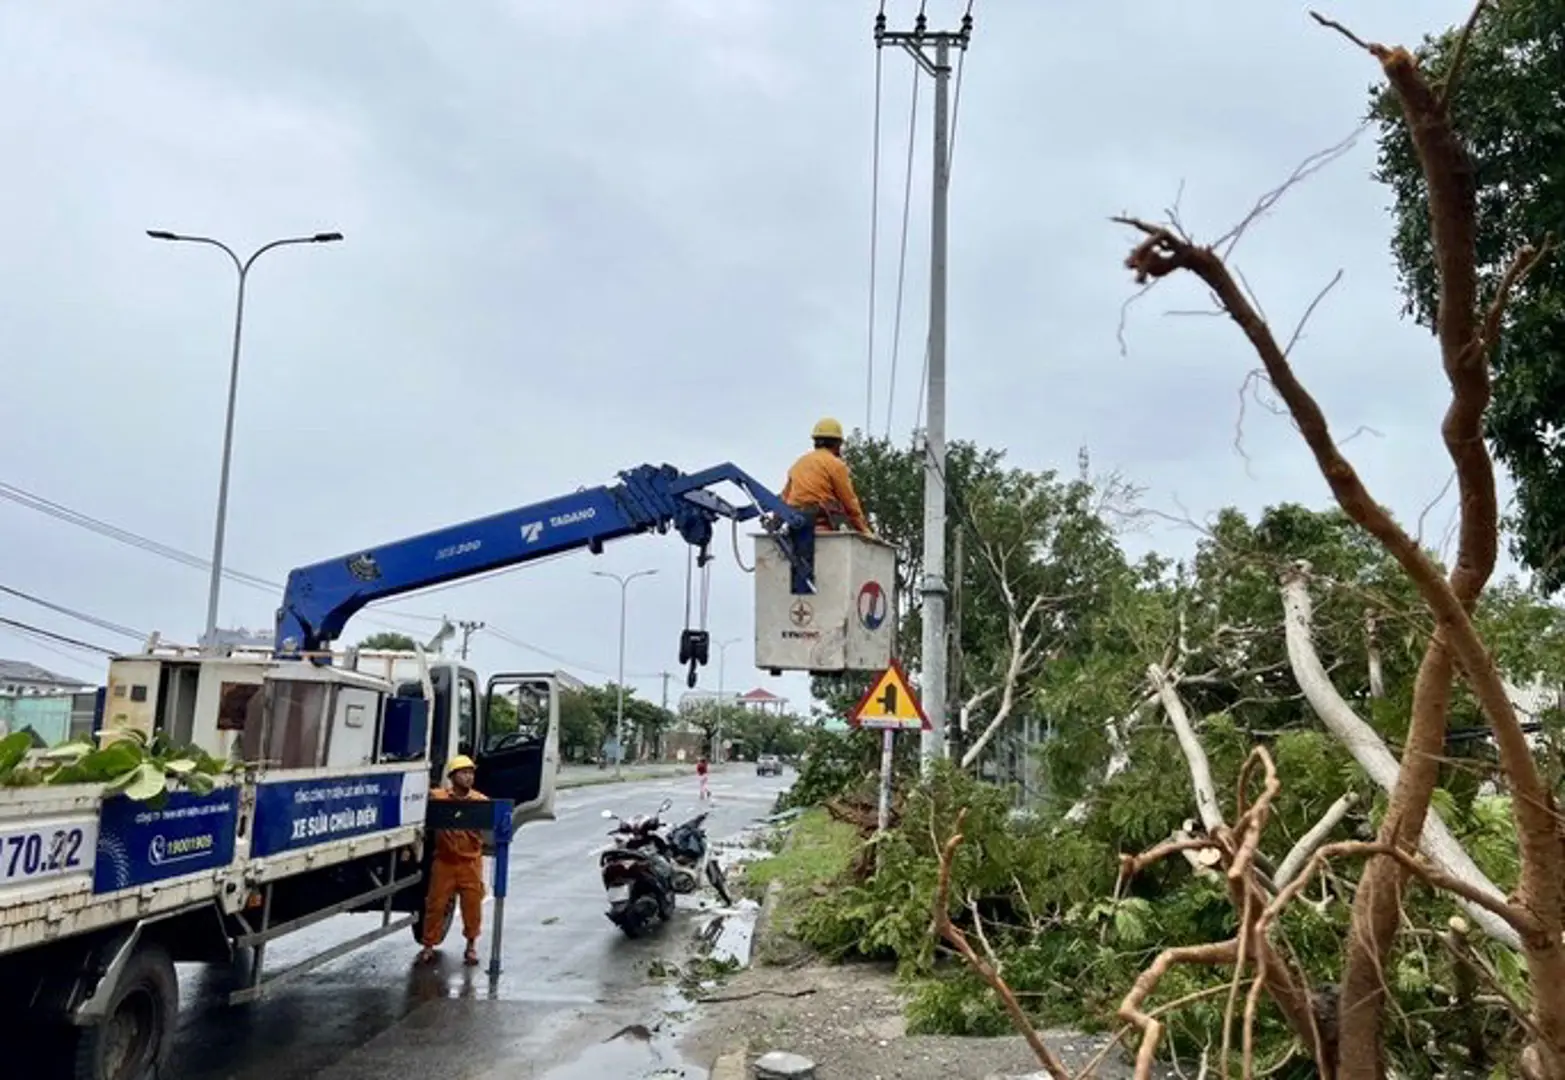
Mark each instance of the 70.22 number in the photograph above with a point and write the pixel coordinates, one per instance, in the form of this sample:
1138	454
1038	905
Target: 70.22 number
26	853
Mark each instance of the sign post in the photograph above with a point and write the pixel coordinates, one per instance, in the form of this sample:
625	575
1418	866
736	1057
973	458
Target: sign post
891	706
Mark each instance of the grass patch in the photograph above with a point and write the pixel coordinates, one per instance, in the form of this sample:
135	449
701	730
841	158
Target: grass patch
819	850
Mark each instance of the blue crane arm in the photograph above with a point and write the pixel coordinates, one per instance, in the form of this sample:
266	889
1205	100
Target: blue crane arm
320	599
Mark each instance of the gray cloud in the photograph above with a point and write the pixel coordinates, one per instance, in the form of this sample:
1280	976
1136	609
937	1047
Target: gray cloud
582	236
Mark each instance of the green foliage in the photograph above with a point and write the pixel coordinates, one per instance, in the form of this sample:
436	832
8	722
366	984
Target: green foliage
1510	114
1070	943
588	716
1026	535
837	763
389	639
756	732
125	763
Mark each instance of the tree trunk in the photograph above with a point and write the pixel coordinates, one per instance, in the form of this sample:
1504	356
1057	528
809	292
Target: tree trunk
1434	839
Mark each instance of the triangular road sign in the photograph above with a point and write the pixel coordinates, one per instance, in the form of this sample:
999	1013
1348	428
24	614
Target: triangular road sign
890	703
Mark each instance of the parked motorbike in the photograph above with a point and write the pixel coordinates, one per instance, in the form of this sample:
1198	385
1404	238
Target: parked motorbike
693	860
638	875
644	870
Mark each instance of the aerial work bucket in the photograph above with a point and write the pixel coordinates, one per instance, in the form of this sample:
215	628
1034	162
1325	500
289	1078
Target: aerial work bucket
846	625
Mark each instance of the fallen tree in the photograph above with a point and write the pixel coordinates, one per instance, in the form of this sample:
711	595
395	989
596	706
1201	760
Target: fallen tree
1467	333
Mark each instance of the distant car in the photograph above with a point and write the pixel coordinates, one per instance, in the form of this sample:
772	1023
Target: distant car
768	765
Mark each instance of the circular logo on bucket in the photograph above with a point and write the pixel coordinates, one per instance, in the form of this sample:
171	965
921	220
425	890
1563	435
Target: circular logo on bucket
801	613
872	605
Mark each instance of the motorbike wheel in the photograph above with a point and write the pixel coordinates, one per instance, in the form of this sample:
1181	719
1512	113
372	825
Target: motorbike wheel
666	906
719	880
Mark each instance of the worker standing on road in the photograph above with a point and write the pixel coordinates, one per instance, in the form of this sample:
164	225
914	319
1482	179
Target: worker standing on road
701	771
457	870
819	484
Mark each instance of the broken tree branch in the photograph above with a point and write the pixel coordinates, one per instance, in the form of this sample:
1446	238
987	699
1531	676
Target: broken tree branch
1294	861
986	969
1369	750
1195	755
1119	757
1130	1011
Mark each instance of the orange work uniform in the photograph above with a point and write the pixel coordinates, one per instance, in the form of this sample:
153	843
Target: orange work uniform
819	482
457	870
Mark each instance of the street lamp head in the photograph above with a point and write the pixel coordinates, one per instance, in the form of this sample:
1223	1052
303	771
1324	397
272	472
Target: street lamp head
326	237
161	234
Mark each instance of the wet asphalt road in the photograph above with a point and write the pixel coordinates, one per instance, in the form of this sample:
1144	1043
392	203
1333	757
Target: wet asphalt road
570	978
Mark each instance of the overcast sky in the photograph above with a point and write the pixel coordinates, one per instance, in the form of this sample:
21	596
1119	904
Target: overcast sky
585	235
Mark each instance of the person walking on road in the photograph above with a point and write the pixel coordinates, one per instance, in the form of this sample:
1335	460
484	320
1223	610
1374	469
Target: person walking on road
457	870
819	483
701	771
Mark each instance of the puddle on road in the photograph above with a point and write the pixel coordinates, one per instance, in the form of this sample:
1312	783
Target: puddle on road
648	1050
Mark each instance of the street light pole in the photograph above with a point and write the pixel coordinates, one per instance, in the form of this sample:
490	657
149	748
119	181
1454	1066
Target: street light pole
243	267
619	709
722	665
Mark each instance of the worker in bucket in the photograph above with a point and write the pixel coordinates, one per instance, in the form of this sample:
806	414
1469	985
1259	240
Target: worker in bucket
457	870
819	484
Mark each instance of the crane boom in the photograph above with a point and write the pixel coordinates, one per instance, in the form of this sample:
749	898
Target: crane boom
319	599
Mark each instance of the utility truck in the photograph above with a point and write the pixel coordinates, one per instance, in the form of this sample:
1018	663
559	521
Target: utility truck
323	813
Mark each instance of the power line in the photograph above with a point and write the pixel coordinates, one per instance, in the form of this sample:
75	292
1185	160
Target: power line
64	513
874	234
102	624
72	658
907	205
511	639
103	528
52	636
124	536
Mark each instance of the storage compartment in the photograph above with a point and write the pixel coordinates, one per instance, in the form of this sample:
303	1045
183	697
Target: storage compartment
405	730
846	625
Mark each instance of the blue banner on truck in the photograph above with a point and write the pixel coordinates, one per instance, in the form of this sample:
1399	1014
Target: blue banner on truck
293	814
185	833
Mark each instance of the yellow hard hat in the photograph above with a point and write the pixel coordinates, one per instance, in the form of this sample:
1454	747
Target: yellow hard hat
458	763
826	428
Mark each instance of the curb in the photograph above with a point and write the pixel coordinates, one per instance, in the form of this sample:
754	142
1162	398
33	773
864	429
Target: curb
599	781
733	1063
769	900
763	919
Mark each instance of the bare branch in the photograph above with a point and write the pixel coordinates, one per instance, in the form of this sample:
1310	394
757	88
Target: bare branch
1294	861
1424	513
1520	919
1374	50
1459	53
1224	952
1309	166
1298	330
985	969
1195	755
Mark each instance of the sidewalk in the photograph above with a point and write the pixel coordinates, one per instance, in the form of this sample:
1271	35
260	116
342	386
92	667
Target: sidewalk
573	776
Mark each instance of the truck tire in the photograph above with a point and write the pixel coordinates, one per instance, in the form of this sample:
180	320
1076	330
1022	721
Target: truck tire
132	1042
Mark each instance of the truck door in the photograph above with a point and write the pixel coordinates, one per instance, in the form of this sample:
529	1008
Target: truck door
519	743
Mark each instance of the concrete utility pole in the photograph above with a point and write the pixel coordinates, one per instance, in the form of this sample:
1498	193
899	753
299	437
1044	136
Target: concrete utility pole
920	42
209	639
619	684
662	732
722	670
468	627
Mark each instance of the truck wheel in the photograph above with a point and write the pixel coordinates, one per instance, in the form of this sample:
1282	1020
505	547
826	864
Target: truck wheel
417	927
132	1041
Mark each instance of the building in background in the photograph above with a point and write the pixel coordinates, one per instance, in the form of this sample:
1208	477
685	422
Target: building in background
53	707
764	701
